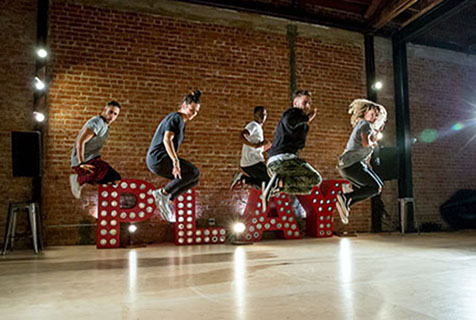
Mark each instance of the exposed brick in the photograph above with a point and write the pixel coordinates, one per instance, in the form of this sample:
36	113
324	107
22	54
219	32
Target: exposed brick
148	61
16	99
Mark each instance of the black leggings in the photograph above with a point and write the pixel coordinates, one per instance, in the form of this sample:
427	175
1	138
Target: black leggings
365	182
176	187
257	174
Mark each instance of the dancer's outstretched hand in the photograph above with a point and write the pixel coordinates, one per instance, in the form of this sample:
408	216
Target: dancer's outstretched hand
312	115
87	167
176	170
267	145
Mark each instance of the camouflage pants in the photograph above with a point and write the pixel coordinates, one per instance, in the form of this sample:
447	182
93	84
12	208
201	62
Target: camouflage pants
297	176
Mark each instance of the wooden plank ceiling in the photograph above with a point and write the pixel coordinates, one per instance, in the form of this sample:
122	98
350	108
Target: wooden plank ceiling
367	16
373	17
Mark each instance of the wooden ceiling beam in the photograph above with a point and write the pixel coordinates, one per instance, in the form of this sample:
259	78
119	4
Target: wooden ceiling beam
293	12
413	10
361	2
389	12
374	5
430	5
344	6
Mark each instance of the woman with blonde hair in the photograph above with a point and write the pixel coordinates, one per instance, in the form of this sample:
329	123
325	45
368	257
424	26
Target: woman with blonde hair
368	120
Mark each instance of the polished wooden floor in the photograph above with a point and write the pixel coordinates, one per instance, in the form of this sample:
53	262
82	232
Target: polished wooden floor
431	276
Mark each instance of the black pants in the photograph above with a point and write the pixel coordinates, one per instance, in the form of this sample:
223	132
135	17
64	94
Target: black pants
257	174
176	187
111	176
365	182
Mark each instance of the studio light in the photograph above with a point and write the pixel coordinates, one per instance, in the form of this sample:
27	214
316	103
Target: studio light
132	228
39	85
377	85
42	53
40	117
239	227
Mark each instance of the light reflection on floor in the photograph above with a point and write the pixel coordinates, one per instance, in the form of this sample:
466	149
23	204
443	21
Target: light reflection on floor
365	277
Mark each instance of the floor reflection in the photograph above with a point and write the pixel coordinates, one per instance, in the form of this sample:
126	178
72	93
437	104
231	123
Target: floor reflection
345	273
239	282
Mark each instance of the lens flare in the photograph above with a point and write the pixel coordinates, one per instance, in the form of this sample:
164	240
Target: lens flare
428	135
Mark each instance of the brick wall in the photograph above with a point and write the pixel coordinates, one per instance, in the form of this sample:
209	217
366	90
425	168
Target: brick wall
441	95
335	73
17	24
385	96
147	63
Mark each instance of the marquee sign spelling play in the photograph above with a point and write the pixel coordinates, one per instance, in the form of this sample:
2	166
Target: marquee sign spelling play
278	216
186	231
320	206
110	215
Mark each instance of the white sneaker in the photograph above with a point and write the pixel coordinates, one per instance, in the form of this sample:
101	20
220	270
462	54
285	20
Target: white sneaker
273	191
342	208
162	202
75	187
170	210
347	188
236	178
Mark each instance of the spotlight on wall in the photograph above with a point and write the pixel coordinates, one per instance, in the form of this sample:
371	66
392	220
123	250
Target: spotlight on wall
40	117
238	227
42	53
132	228
39	85
377	85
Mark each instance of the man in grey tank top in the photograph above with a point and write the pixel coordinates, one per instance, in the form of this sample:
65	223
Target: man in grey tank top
86	154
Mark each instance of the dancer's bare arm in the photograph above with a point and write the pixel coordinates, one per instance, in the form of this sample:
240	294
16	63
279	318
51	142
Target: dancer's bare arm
169	147
85	136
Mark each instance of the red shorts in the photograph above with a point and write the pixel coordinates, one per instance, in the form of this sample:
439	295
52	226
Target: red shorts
100	170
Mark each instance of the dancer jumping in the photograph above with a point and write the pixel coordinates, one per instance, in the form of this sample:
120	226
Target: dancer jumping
163	160
368	120
86	155
252	159
296	176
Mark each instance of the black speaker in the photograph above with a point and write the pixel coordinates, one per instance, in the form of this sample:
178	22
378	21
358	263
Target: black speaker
385	163
460	210
26	154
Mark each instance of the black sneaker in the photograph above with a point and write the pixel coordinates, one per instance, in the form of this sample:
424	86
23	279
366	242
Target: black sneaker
343	208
